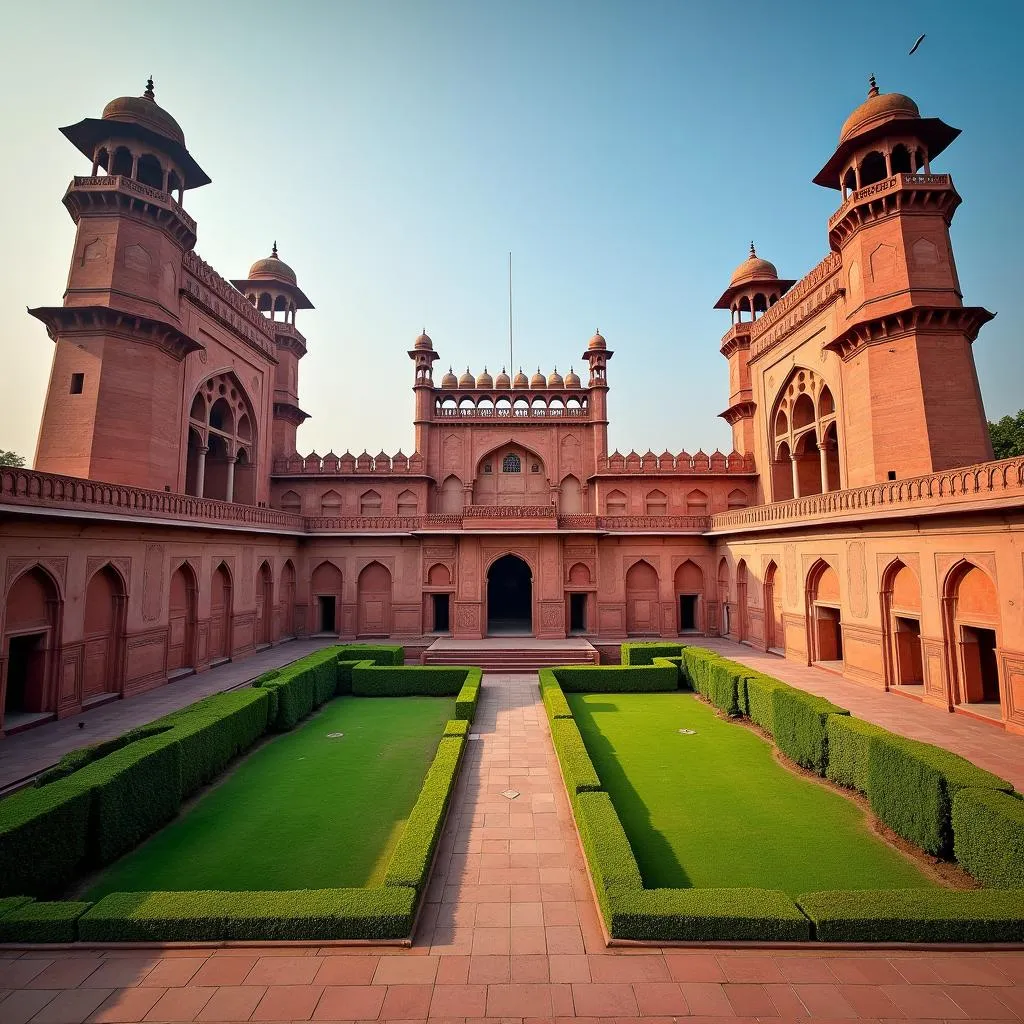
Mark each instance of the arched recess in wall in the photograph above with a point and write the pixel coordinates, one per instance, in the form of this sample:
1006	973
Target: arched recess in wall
511	474
804	437
103	634
288	599
374	601
439	576
407	504
31	644
330	504
616	503
742	609
723	596
220	613
656	503
325	597
774	625
370	503
451	496
689	587
181	626
643	609
696	503
291	502
901	626
736	499
579	575
221	461
972	627
570	496
265	604
824	614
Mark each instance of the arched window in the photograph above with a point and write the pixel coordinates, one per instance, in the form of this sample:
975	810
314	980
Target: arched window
872	169
511	463
805	438
222	442
150	172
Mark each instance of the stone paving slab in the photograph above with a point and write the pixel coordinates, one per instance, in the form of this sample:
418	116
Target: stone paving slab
509	934
29	752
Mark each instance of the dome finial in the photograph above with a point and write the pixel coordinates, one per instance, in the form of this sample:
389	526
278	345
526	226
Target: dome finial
873	91
273	251
149	94
753	251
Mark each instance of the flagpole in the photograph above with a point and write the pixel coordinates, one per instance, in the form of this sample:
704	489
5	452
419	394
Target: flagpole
510	367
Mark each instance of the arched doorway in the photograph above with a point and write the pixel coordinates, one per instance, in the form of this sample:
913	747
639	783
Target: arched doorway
374	600
437	603
971	609
723	596
265	605
288	600
741	601
642	600
775	629
825	614
325	590
689	597
181	624
901	620
509	597
32	622
103	634
220	614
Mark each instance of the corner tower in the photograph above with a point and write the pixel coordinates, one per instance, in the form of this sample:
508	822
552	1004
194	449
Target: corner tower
910	389
112	408
597	355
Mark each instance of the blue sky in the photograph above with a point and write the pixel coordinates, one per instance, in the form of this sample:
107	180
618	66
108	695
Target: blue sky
626	153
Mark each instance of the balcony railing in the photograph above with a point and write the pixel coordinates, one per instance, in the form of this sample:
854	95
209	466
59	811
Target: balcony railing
658	524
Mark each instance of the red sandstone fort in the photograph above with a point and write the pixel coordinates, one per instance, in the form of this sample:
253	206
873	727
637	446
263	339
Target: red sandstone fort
170	522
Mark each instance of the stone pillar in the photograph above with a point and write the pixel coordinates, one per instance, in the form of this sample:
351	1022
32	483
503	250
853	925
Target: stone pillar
823	455
201	470
230	496
796	477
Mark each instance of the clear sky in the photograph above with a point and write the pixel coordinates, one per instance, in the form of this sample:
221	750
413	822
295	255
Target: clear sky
626	153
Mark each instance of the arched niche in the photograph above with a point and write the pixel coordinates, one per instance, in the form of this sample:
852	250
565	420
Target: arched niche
570	496
374	601
972	626
265	604
220	614
643	608
103	634
325	597
824	614
511	479
689	588
31	645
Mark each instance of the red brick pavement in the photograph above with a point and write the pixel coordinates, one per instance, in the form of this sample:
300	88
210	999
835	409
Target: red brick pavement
509	933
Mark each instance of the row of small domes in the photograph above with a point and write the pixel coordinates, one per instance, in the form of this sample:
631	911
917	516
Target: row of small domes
520	382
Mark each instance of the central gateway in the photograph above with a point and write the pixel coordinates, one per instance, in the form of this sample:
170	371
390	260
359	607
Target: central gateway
509	597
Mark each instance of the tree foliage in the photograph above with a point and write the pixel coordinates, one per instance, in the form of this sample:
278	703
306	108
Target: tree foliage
1008	436
11	459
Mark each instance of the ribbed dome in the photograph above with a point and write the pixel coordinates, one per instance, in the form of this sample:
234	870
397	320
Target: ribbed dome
272	268
521	380
597	341
484	381
467	380
555	380
876	109
423	342
753	268
145	111
502	380
571	380
538	380
449	380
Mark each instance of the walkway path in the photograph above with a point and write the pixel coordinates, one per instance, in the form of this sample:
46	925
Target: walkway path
510	933
28	753
987	745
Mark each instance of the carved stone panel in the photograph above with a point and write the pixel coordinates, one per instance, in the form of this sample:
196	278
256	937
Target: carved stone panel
856	575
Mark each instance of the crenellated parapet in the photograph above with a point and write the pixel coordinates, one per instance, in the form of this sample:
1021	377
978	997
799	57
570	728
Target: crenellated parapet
348	464
699	463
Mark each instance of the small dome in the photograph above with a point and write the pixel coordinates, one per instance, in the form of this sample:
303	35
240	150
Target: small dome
271	268
521	380
753	268
484	381
538	380
467	380
876	109
449	380
555	380
597	341
423	342
502	380
571	380
143	110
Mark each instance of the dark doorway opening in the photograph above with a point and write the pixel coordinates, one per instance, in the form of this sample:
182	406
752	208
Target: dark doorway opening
577	613
687	613
981	672
440	602
909	663
830	634
327	612
26	663
509	597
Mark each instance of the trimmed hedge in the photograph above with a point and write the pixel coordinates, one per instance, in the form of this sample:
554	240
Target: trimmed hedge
717	679
756	699
76	759
465	702
800	721
578	770
849	746
456	727
916	915
643	652
300	687
988	836
616	678
407	681
911	786
613	866
9	903
379	654
551	694
707	915
380	912
410	862
43	922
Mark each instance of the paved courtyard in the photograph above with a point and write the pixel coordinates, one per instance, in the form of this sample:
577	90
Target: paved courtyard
509	933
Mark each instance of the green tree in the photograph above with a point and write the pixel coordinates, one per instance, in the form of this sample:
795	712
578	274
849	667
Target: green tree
1008	436
11	459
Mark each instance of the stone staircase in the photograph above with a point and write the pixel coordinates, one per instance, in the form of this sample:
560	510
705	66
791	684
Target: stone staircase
510	654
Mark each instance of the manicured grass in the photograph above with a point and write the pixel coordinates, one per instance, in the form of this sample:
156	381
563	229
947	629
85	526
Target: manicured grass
717	810
303	811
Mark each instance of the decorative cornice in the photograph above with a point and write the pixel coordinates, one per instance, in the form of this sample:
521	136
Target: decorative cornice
965	320
290	412
739	411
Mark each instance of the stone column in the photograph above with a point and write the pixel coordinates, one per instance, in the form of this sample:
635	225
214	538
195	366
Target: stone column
796	477
201	470
823	455
230	496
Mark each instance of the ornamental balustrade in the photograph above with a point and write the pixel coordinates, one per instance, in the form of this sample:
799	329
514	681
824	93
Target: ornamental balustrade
348	464
509	512
890	184
684	462
105	182
675	524
319	524
513	412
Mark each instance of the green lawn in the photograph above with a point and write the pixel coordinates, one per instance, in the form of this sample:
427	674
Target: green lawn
717	810
303	811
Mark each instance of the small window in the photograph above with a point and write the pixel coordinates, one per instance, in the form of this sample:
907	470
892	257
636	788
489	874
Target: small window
77	383
511	464
535	468
487	467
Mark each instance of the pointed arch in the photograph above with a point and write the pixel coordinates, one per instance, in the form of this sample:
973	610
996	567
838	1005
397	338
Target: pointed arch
31	644
775	627
656	503
616	503
570	496
370	503
325	596
804	437
903	662
103	633
972	635
512	479
451	496
742	611
330	504
408	504
288	599
696	503
374	601
220	613
689	588
265	604
824	613
291	502
643	608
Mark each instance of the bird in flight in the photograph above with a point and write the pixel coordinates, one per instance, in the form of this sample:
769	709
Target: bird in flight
917	43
